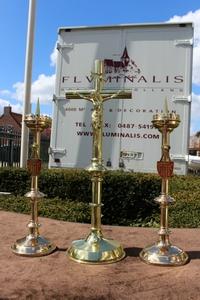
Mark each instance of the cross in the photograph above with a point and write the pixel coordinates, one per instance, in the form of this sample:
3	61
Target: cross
98	96
95	248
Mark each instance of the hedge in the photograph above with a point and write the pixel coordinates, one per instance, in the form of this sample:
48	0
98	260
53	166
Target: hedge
185	212
66	184
127	197
52	208
15	181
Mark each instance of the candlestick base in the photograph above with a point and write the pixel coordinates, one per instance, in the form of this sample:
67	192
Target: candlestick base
95	249
33	246
166	255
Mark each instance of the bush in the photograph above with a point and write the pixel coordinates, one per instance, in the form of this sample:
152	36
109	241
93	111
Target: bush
52	208
128	198
72	184
185	212
125	196
184	183
15	181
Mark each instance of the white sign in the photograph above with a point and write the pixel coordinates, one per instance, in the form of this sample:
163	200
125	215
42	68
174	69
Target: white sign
154	61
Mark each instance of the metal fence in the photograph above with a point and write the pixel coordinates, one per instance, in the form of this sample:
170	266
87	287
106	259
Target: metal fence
10	141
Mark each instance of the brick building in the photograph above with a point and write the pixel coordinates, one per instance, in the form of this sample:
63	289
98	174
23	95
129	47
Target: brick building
10	138
194	147
9	118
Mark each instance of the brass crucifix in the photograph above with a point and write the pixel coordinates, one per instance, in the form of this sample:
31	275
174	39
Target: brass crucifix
95	248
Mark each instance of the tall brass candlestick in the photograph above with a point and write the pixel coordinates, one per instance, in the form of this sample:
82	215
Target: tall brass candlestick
95	248
34	244
163	252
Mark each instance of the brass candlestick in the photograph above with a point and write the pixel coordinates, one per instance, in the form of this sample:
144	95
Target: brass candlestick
163	252
95	248
34	244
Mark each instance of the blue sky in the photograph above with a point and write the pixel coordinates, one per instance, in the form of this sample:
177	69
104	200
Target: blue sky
52	14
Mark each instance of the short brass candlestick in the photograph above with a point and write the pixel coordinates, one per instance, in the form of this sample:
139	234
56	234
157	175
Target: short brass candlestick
163	252
95	248
34	244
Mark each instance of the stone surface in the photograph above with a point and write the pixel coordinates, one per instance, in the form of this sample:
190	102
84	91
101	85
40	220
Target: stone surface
57	277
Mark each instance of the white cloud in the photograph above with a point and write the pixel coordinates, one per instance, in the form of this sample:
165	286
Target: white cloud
196	65
195	18
2	104
196	106
42	88
53	56
5	92
17	108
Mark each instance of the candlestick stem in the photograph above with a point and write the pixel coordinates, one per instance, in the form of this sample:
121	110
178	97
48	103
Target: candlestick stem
163	252
34	244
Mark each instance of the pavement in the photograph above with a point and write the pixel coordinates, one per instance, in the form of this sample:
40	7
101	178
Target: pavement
55	276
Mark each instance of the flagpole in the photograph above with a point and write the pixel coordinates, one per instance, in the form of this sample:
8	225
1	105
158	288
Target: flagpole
27	82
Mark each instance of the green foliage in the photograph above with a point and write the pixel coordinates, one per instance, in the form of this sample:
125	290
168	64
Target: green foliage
72	184
65	210
184	183
15	181
185	212
52	208
128	198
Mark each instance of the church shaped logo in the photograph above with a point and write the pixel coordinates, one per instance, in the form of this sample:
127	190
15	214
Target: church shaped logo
123	66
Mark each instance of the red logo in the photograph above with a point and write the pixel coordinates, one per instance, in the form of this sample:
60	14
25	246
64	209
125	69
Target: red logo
124	65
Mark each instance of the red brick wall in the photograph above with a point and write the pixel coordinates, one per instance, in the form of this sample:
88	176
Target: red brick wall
8	119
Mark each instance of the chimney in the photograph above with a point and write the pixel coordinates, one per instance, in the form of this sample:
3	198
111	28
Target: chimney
7	110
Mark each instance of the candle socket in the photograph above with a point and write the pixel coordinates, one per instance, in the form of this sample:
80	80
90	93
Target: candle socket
163	252
34	244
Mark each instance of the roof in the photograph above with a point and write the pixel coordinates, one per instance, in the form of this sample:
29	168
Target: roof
17	117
